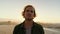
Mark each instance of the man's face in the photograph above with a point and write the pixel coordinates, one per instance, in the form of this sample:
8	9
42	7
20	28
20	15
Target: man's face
29	13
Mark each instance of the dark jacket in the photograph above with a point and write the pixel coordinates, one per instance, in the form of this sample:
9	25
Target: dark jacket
36	29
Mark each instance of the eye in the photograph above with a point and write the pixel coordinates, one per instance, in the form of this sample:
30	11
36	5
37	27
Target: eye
31	11
27	10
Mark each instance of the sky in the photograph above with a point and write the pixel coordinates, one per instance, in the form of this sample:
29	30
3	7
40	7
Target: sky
46	10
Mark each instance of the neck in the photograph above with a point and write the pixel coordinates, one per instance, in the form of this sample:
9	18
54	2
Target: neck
28	23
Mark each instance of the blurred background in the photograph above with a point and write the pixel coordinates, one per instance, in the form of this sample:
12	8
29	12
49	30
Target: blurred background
48	14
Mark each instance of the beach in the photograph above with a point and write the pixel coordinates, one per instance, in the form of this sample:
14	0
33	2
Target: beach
8	29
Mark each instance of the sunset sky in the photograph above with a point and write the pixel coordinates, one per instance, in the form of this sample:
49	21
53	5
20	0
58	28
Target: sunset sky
46	10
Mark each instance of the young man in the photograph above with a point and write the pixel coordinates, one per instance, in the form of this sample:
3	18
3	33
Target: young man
28	26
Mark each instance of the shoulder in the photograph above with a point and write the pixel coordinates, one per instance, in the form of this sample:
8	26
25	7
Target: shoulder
17	28
19	25
38	25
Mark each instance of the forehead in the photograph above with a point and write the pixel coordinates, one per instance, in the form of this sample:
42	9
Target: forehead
30	8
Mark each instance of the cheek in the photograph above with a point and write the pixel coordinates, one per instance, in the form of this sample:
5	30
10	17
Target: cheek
32	15
25	14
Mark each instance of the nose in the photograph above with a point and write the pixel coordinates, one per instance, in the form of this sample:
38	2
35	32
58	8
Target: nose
29	13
